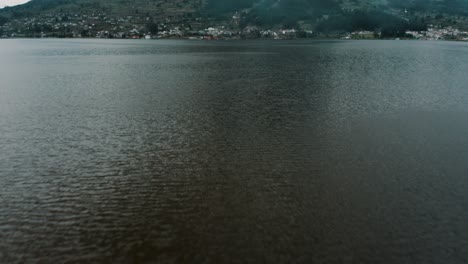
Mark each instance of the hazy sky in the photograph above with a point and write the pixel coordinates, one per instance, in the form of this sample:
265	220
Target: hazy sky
4	3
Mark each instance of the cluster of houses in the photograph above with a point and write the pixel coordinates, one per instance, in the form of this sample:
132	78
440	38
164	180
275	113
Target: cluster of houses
285	33
221	32
208	33
432	33
361	35
73	25
438	33
103	25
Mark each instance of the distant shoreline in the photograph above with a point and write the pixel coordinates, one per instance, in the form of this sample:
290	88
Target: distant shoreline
241	40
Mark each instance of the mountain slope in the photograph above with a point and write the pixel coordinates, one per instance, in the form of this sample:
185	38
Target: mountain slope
292	9
392	16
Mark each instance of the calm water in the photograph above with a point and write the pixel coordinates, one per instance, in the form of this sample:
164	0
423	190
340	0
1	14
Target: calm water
233	152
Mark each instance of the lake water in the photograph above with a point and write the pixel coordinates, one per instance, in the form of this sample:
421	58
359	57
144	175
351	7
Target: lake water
119	151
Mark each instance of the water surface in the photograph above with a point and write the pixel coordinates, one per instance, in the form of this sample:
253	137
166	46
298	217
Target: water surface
233	152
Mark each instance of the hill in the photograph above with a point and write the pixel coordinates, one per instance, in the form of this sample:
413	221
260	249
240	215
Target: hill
121	17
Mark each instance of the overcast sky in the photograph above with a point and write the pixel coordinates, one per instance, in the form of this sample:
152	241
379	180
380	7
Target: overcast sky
4	3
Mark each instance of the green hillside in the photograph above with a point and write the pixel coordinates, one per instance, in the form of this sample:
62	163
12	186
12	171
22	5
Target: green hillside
114	7
294	8
391	17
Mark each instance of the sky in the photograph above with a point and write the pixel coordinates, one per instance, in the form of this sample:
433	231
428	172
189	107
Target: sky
4	3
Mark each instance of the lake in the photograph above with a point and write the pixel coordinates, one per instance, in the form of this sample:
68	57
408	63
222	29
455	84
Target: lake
160	151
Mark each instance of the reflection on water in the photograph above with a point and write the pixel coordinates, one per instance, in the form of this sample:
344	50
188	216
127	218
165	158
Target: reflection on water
275	152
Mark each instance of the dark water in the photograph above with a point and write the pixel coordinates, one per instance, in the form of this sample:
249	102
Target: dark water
233	152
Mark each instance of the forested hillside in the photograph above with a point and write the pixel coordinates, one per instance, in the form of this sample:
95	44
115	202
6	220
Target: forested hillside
391	17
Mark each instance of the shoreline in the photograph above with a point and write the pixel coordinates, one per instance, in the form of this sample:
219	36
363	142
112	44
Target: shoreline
241	39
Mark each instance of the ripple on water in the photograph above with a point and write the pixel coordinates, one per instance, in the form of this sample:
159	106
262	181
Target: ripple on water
242	152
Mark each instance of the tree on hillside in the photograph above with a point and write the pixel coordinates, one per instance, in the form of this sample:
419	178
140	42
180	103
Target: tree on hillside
3	20
218	7
287	12
152	28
